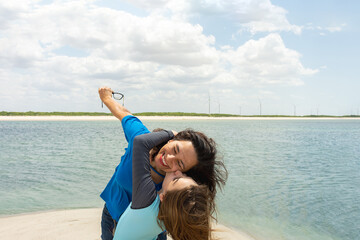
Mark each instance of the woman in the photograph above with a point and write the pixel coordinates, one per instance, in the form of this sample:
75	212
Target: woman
188	150
182	207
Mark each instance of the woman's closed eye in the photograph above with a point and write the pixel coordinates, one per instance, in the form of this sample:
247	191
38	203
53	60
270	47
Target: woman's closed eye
180	162
179	165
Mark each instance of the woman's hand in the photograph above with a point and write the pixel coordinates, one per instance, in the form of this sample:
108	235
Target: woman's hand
105	93
115	108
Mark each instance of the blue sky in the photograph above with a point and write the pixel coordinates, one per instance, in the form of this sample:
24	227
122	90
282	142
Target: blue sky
165	55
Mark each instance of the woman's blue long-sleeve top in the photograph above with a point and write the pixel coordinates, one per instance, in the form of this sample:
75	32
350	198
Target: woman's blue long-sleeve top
118	192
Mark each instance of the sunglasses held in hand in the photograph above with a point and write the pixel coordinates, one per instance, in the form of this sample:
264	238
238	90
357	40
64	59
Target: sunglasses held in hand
116	96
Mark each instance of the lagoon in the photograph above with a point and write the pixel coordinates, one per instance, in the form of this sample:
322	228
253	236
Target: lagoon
288	179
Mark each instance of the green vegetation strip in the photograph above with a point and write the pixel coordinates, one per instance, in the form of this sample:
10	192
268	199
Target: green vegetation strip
180	114
54	114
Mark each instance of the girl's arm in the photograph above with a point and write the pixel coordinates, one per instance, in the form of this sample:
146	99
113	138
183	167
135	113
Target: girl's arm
144	192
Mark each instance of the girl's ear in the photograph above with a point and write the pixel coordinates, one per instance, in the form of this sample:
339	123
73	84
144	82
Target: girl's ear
161	196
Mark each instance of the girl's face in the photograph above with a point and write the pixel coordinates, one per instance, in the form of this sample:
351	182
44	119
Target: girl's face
176	156
176	181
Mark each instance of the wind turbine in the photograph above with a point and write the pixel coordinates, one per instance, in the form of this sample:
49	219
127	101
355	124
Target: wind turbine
219	104
260	105
209	103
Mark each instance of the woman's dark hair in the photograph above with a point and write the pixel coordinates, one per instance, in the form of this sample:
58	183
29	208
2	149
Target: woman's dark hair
209	170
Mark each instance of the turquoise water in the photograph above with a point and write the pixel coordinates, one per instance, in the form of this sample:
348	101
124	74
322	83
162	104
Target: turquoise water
288	179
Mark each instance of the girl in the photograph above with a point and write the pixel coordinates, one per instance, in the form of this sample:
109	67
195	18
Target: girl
182	207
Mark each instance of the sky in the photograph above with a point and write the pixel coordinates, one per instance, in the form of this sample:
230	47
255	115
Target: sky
231	56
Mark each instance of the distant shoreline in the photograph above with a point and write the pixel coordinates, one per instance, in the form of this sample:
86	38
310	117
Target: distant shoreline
112	118
163	115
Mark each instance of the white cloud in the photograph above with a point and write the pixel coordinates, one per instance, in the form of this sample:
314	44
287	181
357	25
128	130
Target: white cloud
265	61
154	54
333	29
159	40
263	16
250	15
322	30
151	5
12	10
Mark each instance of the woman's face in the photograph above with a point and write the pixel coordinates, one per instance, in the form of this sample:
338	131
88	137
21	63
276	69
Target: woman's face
176	156
176	181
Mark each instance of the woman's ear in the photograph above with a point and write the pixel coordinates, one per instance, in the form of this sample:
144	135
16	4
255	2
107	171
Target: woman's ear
161	196
151	153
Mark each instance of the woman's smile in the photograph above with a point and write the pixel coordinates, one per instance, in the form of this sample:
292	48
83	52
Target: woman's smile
162	160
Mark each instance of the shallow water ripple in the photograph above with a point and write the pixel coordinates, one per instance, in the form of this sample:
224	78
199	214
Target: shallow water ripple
296	179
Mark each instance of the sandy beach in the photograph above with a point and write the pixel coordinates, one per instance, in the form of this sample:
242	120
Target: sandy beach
80	224
112	118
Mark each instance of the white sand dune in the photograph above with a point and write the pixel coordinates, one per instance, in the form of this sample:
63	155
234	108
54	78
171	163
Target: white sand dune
79	224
